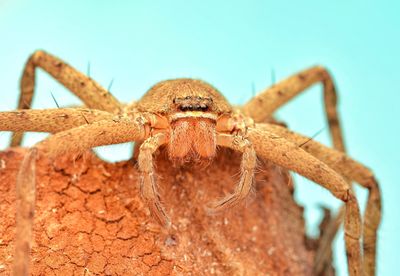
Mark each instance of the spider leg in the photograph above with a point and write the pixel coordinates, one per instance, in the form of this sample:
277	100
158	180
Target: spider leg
89	91
76	141
262	106
50	120
351	170
148	185
249	159
284	153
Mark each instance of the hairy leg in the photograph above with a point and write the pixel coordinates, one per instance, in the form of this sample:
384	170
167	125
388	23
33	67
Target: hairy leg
50	120
262	106
89	91
284	153
148	185
351	170
72	141
249	159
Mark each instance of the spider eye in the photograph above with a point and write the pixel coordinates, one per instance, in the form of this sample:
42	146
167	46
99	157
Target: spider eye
203	107
192	103
195	107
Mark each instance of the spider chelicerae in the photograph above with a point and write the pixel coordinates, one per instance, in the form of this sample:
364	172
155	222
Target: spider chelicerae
189	118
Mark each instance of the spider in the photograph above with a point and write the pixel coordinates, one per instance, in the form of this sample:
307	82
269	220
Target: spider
188	119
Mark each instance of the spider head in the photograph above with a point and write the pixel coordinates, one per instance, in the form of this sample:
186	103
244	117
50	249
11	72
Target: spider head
183	96
191	108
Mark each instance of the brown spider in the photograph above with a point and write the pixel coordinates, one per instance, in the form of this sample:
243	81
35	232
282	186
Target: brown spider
190	118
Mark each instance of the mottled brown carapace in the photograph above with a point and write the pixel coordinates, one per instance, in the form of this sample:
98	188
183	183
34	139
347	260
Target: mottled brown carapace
190	119
176	95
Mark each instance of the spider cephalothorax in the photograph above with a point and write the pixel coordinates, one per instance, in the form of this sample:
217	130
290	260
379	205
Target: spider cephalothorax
191	109
190	118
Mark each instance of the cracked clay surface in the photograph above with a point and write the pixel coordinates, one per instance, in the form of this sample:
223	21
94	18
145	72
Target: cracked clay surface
90	220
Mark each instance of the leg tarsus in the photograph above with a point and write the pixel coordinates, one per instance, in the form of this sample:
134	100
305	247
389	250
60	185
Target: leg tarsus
352	235
372	218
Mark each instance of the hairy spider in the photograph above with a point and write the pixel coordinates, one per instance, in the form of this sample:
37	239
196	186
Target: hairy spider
189	119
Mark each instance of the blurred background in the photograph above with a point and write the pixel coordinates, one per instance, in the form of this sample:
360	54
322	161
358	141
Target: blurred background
240	47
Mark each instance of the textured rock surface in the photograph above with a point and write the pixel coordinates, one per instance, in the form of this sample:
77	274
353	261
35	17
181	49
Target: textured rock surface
90	220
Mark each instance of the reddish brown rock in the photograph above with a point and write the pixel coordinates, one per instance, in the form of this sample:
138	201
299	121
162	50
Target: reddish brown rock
90	220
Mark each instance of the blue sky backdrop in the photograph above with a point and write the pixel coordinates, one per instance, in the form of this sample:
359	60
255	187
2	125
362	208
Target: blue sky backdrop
232	44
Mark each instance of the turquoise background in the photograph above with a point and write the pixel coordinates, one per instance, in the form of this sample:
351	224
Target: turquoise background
234	45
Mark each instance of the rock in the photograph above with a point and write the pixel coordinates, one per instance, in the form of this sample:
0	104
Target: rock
90	219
